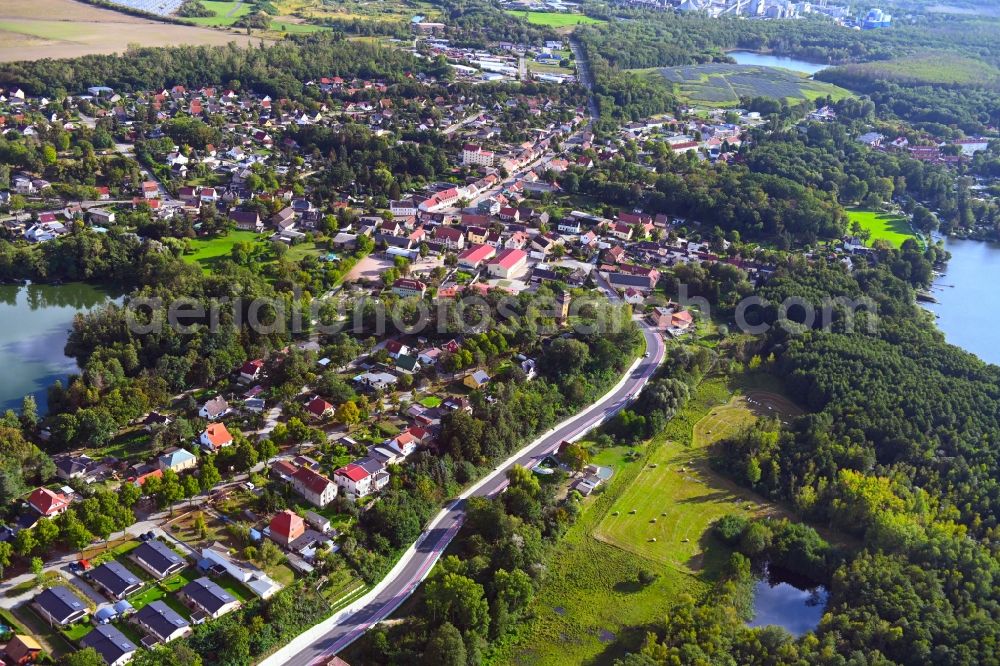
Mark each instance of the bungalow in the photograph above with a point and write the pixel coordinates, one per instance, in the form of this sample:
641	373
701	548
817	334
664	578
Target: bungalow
72	467
256	580
48	502
115	580
319	408
59	606
473	257
508	263
214	409
111	644
286	527
101	217
376	381
178	460
162	622
314	487
621	231
206	596
476	380
642	283
396	348
157	558
283	219
215	437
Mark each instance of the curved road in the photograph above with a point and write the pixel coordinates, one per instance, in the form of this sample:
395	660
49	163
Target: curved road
322	642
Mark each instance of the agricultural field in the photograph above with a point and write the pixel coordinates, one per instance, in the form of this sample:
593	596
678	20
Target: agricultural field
34	29
722	85
554	19
888	227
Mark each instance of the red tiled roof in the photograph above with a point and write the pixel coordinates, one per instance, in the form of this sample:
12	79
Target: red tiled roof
314	481
287	524
353	472
217	434
47	502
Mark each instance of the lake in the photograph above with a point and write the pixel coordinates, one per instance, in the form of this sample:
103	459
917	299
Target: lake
782	600
767	60
968	306
35	321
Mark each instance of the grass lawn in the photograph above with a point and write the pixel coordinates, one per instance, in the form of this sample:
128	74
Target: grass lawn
887	227
208	252
554	19
431	401
281	573
54	640
226	13
77	630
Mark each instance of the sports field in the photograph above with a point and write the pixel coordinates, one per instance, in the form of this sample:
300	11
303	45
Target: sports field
882	226
34	29
666	511
554	19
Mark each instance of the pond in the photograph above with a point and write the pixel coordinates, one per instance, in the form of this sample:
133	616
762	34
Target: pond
768	60
788	601
35	321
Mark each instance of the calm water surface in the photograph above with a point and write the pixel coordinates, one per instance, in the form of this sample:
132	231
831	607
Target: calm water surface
795	606
766	60
35	321
968	307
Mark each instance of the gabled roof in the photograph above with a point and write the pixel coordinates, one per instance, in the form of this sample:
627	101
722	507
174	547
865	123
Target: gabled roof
217	434
59	602
318	406
287	524
353	472
208	595
161	619
158	556
314	481
109	642
178	457
47	502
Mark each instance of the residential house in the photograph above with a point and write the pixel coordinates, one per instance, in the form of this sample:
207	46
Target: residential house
150	190
254	579
319	408
157	558
361	478
71	467
250	372
407	287
247	220
101	217
178	460
162	622
214	409
476	380
407	363
313	486
286	527
111	644
477	155
206	596
48	502
115	580
321	523
450	237
396	347
59	606
215	437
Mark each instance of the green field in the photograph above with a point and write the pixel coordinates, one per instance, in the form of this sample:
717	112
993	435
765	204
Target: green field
554	19
932	67
208	252
431	401
893	229
226	13
723	85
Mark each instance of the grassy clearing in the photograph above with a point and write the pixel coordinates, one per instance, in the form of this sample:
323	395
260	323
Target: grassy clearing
554	19
893	229
226	13
431	401
207	252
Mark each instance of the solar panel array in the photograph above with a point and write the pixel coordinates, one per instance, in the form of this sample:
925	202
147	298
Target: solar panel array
159	7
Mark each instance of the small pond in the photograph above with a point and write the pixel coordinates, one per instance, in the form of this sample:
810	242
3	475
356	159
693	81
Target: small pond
788	601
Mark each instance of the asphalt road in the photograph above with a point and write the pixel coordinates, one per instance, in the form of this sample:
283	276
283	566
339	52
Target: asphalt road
443	529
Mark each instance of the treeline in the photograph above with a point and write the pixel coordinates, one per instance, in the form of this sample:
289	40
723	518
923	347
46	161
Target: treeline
477	23
278	69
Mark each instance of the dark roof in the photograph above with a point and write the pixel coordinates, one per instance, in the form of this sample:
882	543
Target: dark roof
60	603
109	642
160	619
158	556
207	595
115	578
